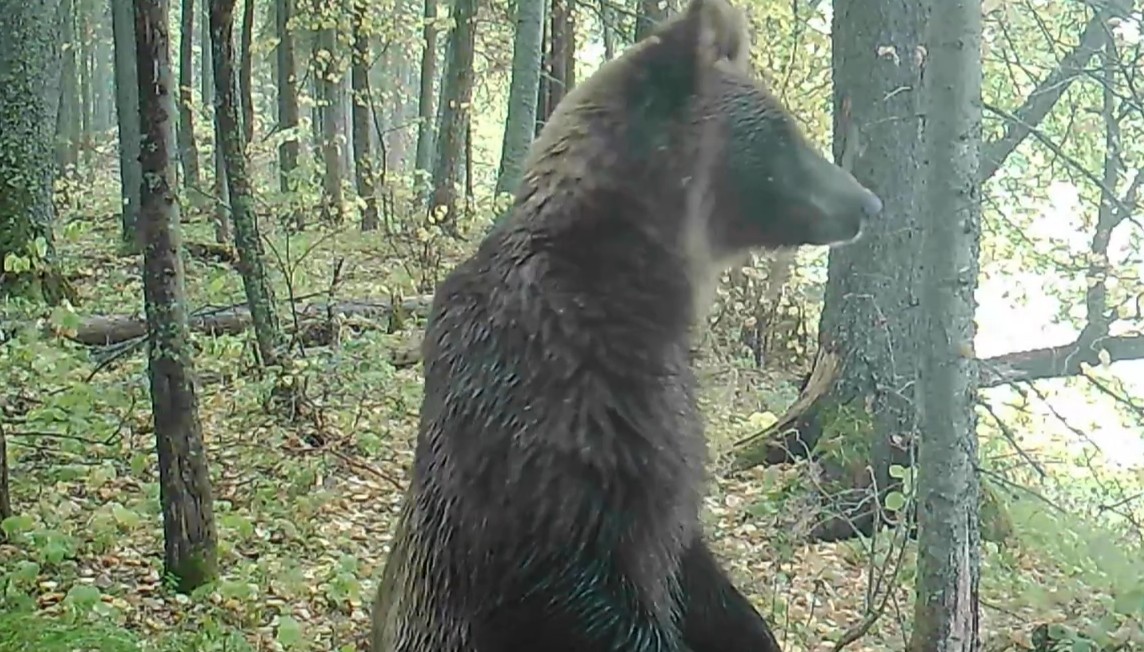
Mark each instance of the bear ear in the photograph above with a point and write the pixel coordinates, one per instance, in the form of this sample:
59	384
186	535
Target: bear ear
721	32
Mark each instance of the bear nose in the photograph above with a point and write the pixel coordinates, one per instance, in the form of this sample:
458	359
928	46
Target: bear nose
871	204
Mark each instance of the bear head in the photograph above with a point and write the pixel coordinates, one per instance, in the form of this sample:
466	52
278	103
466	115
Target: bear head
681	119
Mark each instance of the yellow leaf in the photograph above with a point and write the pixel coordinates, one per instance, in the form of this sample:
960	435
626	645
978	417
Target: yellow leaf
761	420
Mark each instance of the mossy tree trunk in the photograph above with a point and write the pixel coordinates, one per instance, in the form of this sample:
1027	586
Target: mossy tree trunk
248	240
191	543
29	98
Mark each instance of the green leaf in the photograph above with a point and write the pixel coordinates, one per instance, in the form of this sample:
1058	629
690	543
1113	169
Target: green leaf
17	524
289	632
895	501
84	596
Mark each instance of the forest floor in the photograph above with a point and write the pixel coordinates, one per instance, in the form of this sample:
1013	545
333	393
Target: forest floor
305	502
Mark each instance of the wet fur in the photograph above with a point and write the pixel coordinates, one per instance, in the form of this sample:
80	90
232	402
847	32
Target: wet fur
556	488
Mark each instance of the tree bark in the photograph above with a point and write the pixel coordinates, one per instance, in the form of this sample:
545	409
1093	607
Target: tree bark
287	97
327	83
191	542
946	610
127	111
558	69
649	15
5	487
520	120
206	83
68	114
103	74
246	72
83	53
362	118
608	29
188	150
219	193
425	111
219	189
29	98
248	242
457	94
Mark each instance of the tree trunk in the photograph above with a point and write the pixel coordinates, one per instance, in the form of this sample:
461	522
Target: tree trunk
425	111
344	98
520	120
103	76
386	80
245	78
362	114
946	609
259	295
328	79
220	192
870	320
559	75
287	96
5	487
608	29
67	116
190	539
127	112
393	79
83	45
206	90
29	98
649	15
456	93
188	151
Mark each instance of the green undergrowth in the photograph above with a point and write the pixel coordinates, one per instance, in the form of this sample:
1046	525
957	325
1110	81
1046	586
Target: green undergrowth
80	631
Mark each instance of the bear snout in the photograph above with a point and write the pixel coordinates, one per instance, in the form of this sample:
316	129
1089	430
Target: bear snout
871	205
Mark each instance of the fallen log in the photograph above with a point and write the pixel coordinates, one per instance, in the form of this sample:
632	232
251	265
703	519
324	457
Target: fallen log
104	330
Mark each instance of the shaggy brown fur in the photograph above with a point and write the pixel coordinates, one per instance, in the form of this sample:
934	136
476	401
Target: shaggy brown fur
554	505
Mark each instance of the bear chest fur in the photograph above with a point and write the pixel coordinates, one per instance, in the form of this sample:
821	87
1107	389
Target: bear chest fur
557	430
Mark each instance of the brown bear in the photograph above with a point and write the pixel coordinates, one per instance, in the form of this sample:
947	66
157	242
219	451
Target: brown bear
555	493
